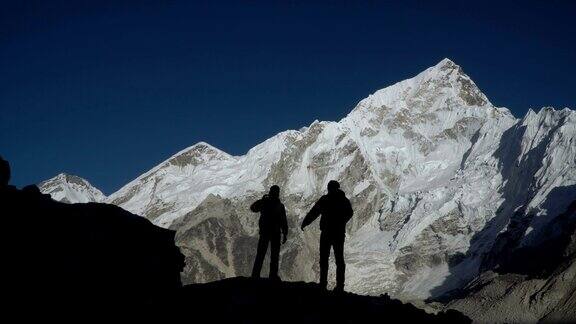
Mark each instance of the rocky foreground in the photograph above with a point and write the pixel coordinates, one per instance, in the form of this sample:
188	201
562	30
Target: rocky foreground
246	300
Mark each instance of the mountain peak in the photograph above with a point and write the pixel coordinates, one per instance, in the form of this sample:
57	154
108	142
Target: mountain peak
209	149
197	153
548	116
442	87
71	189
446	68
203	144
446	62
70	178
202	147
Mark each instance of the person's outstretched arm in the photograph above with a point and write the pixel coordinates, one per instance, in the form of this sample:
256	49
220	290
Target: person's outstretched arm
312	214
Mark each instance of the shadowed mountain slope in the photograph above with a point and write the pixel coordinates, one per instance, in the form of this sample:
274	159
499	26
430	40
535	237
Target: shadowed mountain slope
529	283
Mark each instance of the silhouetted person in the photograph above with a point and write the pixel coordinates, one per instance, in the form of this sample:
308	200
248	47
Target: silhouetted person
272	224
336	211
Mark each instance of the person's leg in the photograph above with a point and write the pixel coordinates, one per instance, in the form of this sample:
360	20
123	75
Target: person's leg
324	255
338	243
274	255
260	254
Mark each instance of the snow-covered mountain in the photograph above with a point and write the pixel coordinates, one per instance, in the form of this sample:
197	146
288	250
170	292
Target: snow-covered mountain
71	189
434	171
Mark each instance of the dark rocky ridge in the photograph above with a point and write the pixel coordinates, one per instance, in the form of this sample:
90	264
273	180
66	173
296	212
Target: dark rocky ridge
246	300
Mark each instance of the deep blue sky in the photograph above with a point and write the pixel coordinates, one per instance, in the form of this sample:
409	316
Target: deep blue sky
108	89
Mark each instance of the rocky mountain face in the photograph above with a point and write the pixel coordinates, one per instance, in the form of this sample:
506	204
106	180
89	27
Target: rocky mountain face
528	284
71	189
434	171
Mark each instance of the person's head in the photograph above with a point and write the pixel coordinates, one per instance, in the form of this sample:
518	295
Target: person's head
4	172
274	191
333	186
